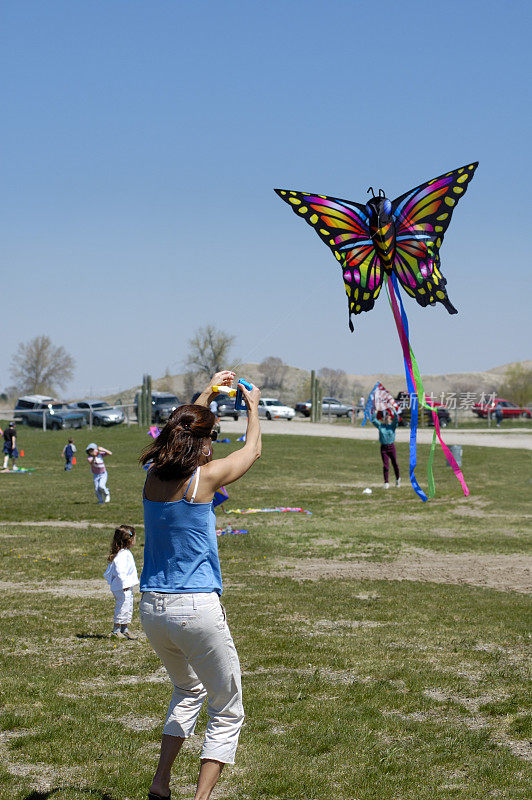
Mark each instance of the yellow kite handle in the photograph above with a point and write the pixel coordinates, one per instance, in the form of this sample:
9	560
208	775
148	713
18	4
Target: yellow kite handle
224	390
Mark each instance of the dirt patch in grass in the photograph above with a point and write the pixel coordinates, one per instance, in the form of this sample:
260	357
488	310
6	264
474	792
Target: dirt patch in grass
134	723
504	572
65	588
521	748
316	627
43	776
59	523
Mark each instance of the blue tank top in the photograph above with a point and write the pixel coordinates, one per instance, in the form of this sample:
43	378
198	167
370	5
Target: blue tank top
181	547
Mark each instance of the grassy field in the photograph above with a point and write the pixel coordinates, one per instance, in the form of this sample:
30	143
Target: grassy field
384	642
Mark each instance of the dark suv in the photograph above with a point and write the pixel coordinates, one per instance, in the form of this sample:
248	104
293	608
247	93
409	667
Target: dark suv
404	411
34	408
226	406
162	405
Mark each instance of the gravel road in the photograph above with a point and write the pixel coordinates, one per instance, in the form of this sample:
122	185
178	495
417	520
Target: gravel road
514	438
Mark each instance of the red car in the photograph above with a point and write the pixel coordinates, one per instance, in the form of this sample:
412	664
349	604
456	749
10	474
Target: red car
508	409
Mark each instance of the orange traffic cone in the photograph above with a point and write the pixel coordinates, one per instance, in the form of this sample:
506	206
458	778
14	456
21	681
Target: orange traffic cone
22	453
74	460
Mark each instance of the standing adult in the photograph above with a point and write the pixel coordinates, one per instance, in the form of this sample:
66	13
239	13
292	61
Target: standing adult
387	440
10	446
181	583
498	414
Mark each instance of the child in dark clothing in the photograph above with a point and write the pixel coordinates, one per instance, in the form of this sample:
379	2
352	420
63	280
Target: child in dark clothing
10	446
68	454
387	439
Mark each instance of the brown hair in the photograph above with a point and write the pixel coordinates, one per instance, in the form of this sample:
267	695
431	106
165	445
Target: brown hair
176	451
121	540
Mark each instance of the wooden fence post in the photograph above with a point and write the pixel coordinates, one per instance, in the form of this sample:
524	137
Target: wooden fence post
148	400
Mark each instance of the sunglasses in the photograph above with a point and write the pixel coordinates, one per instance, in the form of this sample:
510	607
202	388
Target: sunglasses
213	435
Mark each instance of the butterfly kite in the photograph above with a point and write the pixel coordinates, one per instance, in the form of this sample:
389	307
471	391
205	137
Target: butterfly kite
391	242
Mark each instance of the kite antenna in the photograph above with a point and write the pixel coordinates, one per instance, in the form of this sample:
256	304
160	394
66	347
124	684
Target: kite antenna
371	190
381	190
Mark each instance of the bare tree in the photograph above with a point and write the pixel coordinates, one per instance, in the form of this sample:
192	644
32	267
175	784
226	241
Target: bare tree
39	366
334	381
273	372
356	391
302	392
9	394
517	385
166	383
208	350
190	384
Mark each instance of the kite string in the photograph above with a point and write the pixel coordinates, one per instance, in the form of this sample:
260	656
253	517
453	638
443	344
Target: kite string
282	320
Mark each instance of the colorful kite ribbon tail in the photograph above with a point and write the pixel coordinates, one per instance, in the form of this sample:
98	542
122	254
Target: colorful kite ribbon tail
413	378
403	338
448	455
369	405
428	404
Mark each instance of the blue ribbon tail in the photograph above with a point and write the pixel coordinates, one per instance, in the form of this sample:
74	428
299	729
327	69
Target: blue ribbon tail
413	401
413	438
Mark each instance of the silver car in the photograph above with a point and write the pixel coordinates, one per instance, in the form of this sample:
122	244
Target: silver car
330	406
334	408
271	408
102	412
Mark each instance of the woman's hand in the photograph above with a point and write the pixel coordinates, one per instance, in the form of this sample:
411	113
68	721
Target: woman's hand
252	397
223	378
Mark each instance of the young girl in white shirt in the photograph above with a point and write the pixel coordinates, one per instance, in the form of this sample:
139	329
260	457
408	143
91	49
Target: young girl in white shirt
121	575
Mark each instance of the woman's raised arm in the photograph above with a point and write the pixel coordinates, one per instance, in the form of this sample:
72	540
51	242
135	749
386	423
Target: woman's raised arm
230	469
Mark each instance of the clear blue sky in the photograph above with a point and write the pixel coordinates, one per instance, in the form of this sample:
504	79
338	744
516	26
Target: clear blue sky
142	141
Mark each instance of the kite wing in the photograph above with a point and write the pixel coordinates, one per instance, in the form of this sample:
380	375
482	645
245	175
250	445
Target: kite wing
422	216
384	400
380	399
343	226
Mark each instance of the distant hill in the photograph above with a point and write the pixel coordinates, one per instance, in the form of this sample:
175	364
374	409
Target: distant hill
296	383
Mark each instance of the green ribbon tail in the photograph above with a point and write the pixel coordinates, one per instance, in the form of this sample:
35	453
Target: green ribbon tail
430	476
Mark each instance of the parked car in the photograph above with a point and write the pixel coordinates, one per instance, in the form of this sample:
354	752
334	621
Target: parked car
162	405
102	412
509	410
404	412
329	405
271	408
226	406
29	411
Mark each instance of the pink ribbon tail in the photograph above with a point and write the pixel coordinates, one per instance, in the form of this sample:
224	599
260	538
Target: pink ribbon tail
448	455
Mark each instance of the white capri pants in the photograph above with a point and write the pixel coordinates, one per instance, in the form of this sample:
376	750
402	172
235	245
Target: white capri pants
123	606
100	486
189	633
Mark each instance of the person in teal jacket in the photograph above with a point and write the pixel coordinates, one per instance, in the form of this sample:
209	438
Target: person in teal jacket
387	439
